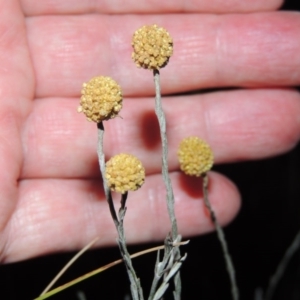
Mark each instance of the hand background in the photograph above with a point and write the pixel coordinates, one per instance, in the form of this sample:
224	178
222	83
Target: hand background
51	197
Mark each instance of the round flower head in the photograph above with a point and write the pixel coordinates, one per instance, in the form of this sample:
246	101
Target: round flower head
101	99
195	156
152	47
124	172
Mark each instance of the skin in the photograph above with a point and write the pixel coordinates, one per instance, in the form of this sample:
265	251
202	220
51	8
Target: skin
51	197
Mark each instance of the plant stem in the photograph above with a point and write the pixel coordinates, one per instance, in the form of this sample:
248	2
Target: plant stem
165	170
166	177
282	267
136	289
222	239
101	160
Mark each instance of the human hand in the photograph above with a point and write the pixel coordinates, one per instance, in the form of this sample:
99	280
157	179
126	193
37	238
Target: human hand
51	194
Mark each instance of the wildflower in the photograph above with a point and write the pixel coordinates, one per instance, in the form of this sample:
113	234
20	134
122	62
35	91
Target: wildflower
124	172
101	99
195	156
152	47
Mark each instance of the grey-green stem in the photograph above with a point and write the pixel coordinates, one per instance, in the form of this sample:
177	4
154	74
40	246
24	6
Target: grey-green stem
274	280
136	289
222	239
166	177
164	141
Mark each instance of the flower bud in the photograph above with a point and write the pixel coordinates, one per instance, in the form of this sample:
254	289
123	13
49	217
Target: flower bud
101	99
152	47
124	172
195	156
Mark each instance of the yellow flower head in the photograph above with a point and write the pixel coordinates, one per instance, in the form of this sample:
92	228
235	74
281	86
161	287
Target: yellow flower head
152	47
101	99
124	172
195	156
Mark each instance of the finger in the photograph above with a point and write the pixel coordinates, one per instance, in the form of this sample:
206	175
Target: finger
251	50
16	87
32	7
239	125
60	215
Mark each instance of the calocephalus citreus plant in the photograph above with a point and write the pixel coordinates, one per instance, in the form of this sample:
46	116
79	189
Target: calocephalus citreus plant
152	49
101	100
196	159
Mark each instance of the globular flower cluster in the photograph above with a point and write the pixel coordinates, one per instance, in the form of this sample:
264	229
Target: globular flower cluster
195	156
124	172
152	47
101	99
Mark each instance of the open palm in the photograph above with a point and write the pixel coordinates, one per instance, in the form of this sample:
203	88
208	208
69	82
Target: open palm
51	195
